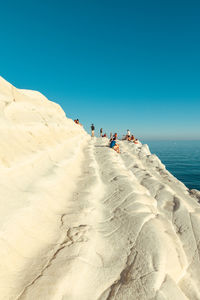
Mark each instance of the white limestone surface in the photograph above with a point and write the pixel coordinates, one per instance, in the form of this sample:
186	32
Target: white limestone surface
81	222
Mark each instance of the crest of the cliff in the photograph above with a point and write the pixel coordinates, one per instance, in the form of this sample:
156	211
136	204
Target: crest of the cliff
30	123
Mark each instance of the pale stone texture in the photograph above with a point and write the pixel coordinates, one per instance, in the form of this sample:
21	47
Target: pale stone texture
81	222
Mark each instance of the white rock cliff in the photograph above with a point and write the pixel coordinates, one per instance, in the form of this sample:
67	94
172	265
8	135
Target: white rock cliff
81	222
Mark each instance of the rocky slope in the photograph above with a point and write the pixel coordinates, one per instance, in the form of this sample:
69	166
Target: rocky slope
81	222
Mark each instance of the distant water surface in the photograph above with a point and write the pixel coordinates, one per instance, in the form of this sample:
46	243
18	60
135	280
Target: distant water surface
181	158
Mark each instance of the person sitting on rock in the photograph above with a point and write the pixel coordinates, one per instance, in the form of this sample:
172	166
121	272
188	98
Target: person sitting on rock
114	145
77	122
132	138
115	135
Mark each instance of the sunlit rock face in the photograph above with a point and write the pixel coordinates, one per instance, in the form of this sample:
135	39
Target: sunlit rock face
81	222
40	157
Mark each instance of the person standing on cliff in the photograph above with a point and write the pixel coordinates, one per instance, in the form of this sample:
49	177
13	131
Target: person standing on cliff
101	132
92	129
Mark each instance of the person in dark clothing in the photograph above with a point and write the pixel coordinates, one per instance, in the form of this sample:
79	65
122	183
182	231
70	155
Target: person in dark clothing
101	132
132	138
92	129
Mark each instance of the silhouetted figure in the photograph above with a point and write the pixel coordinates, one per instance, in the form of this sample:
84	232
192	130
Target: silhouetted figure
92	129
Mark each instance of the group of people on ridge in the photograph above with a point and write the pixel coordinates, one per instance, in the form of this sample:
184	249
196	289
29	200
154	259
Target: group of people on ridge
112	143
113	137
130	137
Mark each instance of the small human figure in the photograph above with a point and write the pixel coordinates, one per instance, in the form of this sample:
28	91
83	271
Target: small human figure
92	129
114	145
132	138
111	135
115	135
101	132
128	135
136	141
77	122
104	135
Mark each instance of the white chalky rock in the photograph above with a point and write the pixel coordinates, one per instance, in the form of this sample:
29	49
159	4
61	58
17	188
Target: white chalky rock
81	222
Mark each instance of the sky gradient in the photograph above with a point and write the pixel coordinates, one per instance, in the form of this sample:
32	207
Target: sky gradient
119	64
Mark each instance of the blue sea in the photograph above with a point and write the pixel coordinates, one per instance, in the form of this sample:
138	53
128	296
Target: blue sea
181	158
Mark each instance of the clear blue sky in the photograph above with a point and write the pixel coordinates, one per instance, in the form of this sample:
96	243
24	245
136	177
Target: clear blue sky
120	64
